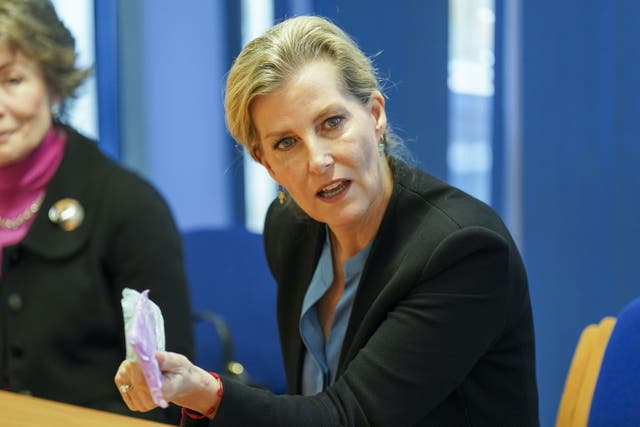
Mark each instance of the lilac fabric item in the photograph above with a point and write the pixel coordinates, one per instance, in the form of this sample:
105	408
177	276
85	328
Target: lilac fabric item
143	337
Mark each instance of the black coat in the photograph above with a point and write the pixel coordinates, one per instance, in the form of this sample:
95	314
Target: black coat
61	318
441	331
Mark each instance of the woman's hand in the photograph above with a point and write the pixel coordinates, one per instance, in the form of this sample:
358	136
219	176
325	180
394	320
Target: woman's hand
183	383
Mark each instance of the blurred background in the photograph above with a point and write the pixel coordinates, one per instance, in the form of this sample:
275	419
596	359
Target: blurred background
532	107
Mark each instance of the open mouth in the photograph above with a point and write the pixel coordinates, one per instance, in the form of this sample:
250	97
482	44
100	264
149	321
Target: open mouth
334	190
4	136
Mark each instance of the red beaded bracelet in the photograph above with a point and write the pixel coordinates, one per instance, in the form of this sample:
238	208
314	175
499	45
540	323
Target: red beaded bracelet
197	416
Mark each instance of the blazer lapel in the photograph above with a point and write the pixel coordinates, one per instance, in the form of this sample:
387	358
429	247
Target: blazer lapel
305	246
377	272
379	284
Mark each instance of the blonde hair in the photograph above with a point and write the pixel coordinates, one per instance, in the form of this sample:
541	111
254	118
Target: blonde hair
265	64
32	27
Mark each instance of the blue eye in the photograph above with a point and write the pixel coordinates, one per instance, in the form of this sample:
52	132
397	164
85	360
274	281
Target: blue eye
284	143
333	122
13	81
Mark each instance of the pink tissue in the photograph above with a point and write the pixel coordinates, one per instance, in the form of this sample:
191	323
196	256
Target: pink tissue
143	339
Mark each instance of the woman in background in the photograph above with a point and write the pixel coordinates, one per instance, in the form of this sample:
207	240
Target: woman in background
75	229
402	301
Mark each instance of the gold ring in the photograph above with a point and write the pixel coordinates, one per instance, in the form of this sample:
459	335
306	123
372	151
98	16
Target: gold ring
125	388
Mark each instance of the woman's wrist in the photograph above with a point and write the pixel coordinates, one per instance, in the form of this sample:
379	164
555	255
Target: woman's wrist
206	409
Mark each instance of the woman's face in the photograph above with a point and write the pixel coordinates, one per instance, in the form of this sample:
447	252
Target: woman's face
25	106
321	144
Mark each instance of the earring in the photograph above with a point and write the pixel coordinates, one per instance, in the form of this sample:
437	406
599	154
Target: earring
382	144
55	110
282	196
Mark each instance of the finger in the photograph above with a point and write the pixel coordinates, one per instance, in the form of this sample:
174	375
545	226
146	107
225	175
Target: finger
140	400
127	400
122	376
124	380
131	374
170	362
126	391
133	387
137	396
170	367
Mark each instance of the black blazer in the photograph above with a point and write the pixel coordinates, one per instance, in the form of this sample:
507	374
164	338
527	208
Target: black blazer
62	333
441	331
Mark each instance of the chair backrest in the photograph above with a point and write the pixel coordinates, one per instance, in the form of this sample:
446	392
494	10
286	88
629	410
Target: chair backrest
580	383
231	284
616	399
602	388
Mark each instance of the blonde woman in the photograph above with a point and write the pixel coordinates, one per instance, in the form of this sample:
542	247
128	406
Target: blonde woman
402	301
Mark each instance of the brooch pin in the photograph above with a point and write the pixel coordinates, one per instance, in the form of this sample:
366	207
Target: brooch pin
67	213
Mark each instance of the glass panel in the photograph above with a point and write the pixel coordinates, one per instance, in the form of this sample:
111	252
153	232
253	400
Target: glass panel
470	81
257	16
78	17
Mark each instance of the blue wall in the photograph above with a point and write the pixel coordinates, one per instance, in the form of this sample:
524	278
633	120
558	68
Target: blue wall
412	43
173	62
580	99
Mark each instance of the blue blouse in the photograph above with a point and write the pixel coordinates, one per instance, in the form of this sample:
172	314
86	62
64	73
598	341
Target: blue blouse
321	359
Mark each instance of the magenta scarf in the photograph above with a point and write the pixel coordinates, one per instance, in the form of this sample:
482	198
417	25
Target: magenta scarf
22	183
